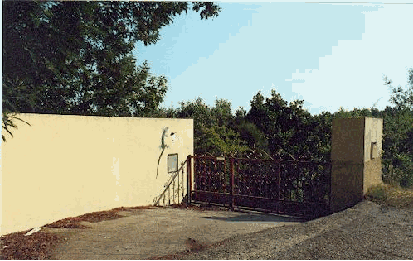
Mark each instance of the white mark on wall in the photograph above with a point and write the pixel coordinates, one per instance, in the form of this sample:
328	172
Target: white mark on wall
115	172
176	139
115	169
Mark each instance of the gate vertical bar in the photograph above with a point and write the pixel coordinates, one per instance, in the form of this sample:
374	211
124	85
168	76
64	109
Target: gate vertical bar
177	176
209	173
225	174
232	184
189	178
279	180
173	191
329	184
279	187
182	183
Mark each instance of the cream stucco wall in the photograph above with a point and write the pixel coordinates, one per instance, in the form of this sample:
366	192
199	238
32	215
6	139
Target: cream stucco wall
64	166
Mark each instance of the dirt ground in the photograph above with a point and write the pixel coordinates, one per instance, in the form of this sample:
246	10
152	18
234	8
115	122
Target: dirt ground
147	232
366	231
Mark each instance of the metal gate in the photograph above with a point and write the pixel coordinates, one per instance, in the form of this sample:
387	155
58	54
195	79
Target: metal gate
300	188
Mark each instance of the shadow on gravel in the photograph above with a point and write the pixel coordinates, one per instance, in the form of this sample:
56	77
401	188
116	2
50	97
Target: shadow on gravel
257	218
289	214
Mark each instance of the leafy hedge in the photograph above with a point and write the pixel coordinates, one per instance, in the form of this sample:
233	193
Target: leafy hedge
274	128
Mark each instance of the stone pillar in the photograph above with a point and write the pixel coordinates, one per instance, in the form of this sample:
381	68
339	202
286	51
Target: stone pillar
356	158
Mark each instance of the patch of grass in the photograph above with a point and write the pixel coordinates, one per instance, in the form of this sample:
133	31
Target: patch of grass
391	195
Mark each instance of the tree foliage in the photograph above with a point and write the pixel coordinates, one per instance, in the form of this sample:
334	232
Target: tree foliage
274	128
398	131
397	157
212	132
75	57
290	130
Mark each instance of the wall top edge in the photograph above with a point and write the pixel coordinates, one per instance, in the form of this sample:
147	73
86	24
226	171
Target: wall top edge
357	118
99	117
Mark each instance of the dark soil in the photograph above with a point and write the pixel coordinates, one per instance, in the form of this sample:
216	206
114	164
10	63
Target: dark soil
35	246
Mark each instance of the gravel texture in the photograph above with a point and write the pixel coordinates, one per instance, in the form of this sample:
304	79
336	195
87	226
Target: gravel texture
366	231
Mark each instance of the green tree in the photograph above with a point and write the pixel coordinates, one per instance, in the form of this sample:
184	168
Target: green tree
288	127
401	98
397	157
322	134
76	57
254	138
398	134
213	134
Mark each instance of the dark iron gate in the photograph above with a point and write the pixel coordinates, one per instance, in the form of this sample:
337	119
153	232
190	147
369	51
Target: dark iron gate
300	188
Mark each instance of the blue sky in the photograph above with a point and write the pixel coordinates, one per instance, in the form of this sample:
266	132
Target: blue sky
330	55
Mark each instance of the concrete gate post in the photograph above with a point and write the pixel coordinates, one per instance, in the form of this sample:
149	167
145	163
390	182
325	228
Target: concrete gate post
356	159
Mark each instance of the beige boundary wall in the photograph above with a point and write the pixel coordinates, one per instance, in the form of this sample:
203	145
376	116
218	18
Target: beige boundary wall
65	165
356	155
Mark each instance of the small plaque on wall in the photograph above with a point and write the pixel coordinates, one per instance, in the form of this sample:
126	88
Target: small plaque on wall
172	163
374	153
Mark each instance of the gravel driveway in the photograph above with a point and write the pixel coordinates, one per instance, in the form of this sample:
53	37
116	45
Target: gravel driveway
366	231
